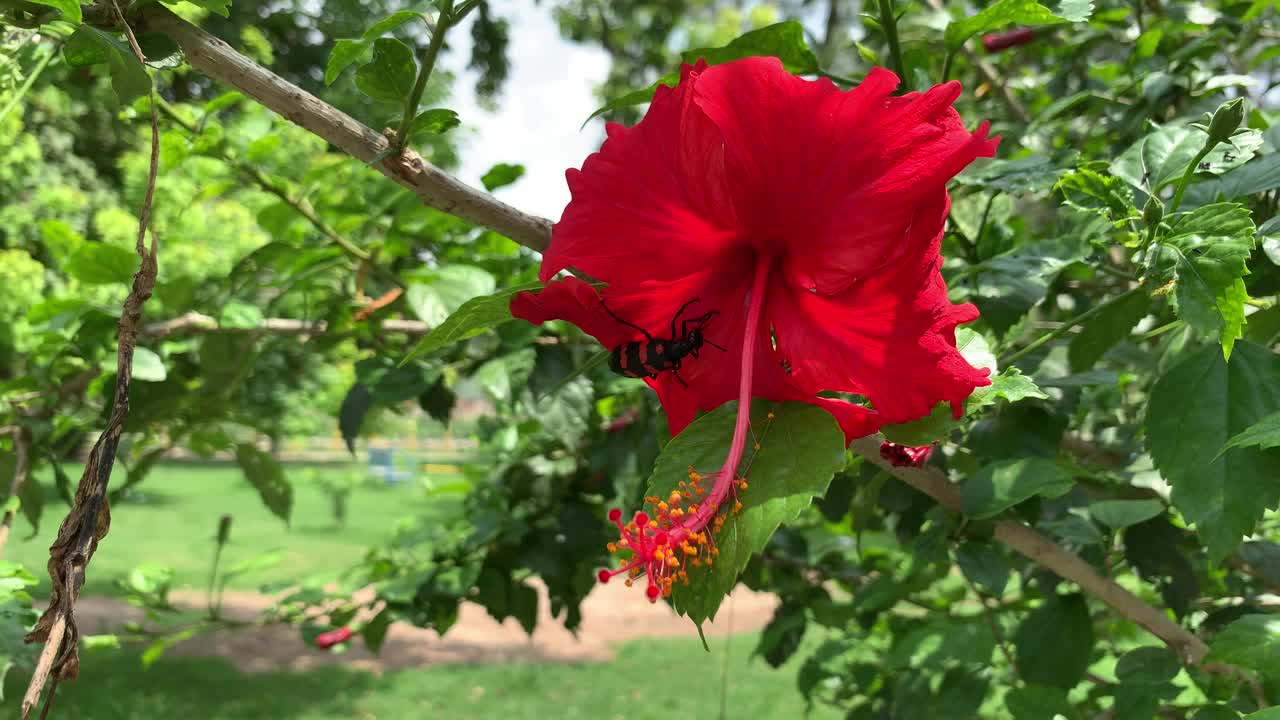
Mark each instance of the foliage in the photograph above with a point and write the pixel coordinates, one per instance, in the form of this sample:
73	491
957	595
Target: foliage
1122	250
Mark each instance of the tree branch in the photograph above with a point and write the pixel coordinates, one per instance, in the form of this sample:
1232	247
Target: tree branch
1048	554
194	322
434	186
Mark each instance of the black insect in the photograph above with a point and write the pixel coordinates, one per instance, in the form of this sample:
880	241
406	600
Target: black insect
648	357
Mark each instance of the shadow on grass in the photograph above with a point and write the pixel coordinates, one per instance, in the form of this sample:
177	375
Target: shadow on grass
114	686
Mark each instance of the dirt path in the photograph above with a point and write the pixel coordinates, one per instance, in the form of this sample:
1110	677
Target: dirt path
611	614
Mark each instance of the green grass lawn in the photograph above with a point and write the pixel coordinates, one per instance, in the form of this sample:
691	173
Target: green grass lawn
173	518
173	521
650	680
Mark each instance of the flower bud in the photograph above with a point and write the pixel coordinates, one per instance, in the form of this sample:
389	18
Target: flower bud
1226	119
224	529
995	42
1153	211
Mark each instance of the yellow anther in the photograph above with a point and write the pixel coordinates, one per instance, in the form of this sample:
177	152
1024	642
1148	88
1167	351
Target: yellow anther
673	562
628	582
663	506
657	554
771	416
613	547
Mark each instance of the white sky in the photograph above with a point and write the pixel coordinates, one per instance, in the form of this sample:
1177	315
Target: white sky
543	103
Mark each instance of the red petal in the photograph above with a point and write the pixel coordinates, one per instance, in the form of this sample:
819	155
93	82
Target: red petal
890	337
653	203
829	178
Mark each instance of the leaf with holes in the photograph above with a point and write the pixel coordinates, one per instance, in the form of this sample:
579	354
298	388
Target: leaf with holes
389	76
801	449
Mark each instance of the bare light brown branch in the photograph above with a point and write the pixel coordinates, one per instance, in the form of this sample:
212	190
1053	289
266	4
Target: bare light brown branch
1046	553
436	188
194	322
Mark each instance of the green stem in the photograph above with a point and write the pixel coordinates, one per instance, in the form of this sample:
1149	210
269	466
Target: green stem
1066	327
428	64
986	214
1156	332
946	65
26	84
1186	176
889	22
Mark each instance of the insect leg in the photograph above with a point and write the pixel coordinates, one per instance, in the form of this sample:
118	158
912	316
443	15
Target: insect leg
647	336
677	317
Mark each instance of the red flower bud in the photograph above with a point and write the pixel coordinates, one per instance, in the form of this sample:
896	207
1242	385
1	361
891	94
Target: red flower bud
904	456
324	641
995	42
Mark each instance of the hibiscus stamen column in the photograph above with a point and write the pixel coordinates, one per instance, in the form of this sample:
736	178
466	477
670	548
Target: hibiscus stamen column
678	528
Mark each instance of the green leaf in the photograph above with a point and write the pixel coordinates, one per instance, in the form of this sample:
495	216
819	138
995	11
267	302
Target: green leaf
1263	434
1106	329
1252	643
1039	702
1162	156
449	288
99	264
984	564
784	40
1218	712
1268	714
374	632
801	449
502	376
1074	529
390	75
147	366
345	52
219	7
1258	176
70	9
1120	514
524	606
267	477
236	314
389	23
1264	557
998	487
436	121
90	46
1194	408
1008	12
1148	666
470	319
635	97
1032	173
355	405
501	175
1055	641
1211	247
1096	192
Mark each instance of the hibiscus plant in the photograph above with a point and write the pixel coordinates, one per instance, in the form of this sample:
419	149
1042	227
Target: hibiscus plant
954	326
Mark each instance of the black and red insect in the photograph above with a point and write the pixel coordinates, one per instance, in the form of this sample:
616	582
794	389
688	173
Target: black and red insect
651	356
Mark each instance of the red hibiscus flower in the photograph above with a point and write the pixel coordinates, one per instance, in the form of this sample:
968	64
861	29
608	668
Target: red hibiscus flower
798	227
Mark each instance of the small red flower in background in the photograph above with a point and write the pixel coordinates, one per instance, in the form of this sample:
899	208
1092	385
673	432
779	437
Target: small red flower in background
324	641
905	456
801	224
995	42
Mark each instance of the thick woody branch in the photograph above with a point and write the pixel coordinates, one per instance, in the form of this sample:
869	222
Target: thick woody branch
194	322
436	188
1048	554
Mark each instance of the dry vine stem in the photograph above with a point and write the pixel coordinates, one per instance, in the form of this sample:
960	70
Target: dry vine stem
90	516
446	193
21	468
